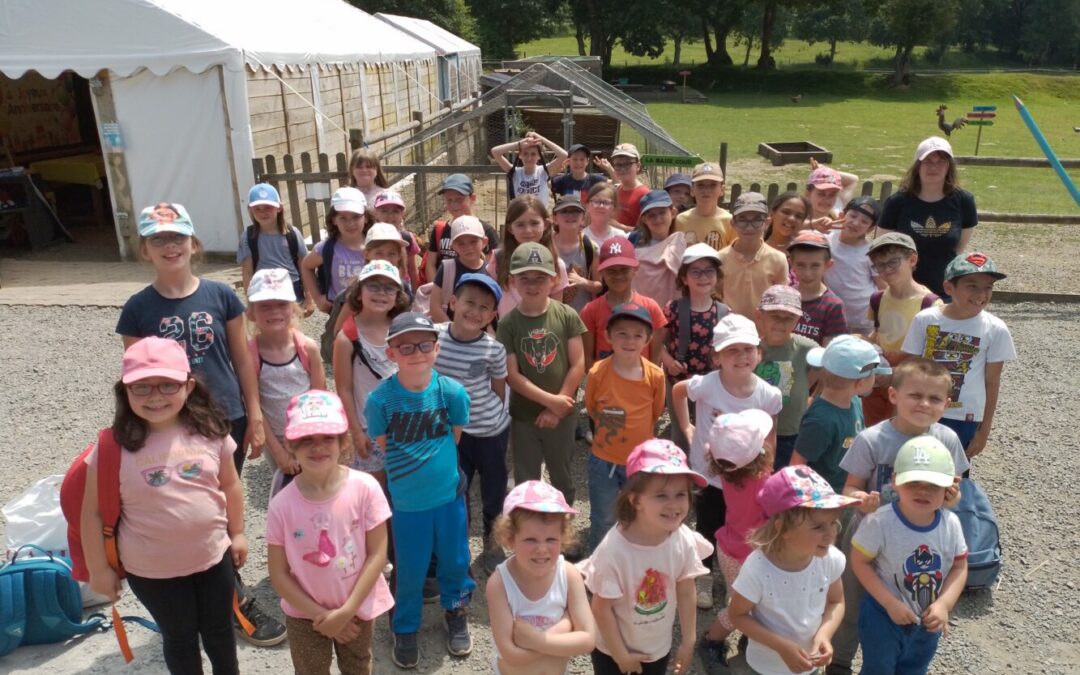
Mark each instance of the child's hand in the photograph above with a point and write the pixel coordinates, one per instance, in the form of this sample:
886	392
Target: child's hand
673	367
239	549
106	583
255	437
362	442
936	617
821	651
901	614
350	632
332	623
952	493
561	405
527	636
871	501
977	444
795	657
823	224
323	304
576	279
309	307
684	658
547	420
630	664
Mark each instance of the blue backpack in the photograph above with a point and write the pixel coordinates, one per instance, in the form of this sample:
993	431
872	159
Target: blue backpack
40	602
981	534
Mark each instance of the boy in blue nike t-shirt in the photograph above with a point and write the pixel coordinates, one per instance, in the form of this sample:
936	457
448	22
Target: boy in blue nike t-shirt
417	417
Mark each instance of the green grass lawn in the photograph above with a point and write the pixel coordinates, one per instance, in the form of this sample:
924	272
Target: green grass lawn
871	128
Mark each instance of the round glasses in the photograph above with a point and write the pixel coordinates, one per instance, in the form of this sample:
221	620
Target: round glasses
163	388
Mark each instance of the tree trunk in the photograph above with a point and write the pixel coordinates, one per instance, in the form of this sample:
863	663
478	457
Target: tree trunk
768	23
720	55
749	46
677	40
901	64
580	35
832	51
706	37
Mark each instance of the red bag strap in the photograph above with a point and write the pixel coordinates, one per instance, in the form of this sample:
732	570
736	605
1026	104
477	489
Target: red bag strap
349	329
108	477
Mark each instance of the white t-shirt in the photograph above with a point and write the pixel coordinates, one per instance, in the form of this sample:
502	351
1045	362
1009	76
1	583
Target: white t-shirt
852	280
790	604
536	184
598	240
964	348
711	400
642	580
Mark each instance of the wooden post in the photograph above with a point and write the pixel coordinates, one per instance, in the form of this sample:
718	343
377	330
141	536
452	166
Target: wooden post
451	146
774	189
312	205
421	178
886	190
755	187
356	139
237	206
324	168
295	213
792	187
342	167
127	230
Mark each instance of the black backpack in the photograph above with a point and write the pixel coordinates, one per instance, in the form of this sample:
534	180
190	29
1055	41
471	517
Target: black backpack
324	273
682	306
252	234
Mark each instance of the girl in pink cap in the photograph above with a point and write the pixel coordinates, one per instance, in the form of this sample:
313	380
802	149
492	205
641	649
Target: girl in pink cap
642	574
537	635
326	542
181	531
791	631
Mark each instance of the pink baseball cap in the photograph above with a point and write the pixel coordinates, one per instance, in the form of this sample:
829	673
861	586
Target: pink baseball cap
739	437
389	198
825	178
315	412
660	456
799	486
536	495
155	357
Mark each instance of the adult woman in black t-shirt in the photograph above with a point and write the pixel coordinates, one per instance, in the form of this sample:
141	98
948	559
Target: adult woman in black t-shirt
932	209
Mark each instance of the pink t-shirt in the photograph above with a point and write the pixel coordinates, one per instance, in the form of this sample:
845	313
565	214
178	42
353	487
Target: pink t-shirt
326	542
173	519
641	579
743	516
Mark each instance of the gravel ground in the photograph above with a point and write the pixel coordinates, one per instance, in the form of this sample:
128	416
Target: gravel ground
59	364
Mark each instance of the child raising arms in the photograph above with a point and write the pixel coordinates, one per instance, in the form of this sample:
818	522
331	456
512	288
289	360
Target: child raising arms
326	541
181	529
531	178
642	574
539	612
790	632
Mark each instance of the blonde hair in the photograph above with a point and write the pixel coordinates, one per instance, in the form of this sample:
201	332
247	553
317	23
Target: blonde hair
506	527
635	486
919	366
769	538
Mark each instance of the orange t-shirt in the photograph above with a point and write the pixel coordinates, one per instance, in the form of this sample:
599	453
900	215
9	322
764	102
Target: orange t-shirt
625	411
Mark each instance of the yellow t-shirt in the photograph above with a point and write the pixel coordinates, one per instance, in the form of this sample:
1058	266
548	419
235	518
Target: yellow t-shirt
745	281
715	230
625	411
894	318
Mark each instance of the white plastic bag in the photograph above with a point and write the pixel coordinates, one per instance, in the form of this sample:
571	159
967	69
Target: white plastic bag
34	517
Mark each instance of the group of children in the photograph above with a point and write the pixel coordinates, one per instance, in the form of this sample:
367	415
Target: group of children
444	367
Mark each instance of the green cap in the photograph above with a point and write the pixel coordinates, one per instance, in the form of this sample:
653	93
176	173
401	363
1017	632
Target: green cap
971	263
532	256
924	459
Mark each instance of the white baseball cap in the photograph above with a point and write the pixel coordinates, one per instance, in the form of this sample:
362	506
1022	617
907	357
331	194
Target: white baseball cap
380	232
932	144
734	329
696	252
349	199
466	226
271	284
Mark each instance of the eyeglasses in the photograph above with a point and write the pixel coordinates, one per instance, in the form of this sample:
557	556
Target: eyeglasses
163	388
887	266
163	240
750	223
376	288
602	203
701	273
410	348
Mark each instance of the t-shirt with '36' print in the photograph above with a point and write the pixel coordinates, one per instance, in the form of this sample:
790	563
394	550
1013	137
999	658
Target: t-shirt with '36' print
199	322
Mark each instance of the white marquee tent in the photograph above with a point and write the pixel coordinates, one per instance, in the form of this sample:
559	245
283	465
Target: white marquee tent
178	73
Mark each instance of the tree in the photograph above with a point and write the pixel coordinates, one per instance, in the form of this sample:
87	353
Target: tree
501	24
1052	32
833	21
718	20
904	24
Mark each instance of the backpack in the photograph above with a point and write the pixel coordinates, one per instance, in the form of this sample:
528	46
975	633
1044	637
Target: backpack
71	501
299	340
325	272
436	238
252	233
875	303
981	534
683	307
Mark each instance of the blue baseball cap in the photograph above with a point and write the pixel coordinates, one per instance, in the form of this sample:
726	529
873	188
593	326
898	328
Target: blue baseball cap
849	357
480	279
458	182
165	217
655	199
631	310
677	179
263	194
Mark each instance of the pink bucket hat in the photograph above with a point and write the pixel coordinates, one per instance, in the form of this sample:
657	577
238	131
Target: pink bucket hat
155	357
315	412
660	456
738	437
535	495
799	486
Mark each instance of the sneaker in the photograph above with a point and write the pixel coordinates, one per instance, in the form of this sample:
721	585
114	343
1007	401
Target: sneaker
458	640
406	652
267	631
713	655
705	592
431	591
744	642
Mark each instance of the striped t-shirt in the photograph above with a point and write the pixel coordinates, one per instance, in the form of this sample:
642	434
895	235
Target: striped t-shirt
474	364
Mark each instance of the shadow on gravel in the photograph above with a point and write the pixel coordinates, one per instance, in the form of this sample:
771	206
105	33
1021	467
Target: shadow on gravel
146	655
974	605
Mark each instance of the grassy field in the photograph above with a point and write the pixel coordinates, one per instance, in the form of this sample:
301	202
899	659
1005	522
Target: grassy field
871	128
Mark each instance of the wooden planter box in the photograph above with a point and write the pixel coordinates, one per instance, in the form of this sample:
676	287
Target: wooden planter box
798	152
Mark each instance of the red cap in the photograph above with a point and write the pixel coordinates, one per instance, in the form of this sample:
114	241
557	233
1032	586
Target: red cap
617	251
811	239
